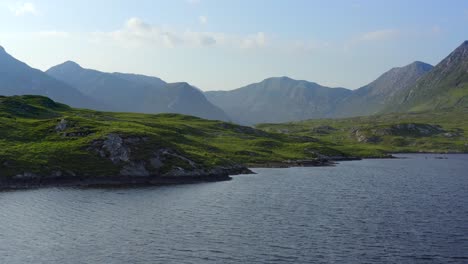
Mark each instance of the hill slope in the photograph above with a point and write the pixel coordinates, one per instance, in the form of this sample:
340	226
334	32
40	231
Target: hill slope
278	100
41	141
371	136
17	78
414	87
137	93
375	96
445	86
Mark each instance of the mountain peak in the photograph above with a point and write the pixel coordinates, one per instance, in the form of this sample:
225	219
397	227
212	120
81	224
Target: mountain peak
2	49
417	66
281	78
71	64
68	66
184	85
463	46
420	63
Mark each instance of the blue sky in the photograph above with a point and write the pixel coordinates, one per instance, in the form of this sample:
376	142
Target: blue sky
222	45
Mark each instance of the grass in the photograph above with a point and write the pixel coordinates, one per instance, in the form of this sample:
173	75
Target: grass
29	141
381	135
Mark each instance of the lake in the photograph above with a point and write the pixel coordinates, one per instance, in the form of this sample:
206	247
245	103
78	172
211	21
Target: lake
411	210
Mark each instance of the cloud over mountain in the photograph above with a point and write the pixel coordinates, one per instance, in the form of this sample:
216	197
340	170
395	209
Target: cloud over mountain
21	9
136	31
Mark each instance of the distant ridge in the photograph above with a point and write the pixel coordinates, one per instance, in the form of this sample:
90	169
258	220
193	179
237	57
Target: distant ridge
278	99
375	96
417	86
17	78
125	92
445	86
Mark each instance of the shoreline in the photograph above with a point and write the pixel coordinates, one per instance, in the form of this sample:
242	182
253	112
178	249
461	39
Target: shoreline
36	182
157	180
321	162
104	182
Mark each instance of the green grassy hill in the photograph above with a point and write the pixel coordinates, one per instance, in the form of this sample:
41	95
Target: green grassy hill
42	138
375	136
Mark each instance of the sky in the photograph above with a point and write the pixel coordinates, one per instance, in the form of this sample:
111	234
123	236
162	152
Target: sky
226	44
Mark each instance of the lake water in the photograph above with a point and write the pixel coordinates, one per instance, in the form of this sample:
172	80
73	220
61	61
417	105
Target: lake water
412	210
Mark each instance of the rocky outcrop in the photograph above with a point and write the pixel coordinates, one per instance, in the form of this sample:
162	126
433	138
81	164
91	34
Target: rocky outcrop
158	161
364	137
28	180
67	128
137	161
62	125
114	149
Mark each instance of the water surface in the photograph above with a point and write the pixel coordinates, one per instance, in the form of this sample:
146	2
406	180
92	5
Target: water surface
412	210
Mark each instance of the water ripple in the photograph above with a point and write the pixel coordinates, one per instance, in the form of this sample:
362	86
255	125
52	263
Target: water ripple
374	211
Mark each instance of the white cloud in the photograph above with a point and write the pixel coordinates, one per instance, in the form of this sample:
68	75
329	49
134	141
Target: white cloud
203	20
254	41
21	9
136	32
378	35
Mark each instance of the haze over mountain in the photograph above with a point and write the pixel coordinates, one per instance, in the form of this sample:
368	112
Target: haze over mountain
137	93
375	96
17	78
278	99
414	87
444	86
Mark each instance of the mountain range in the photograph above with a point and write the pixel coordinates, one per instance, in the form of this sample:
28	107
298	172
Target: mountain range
137	93
444	86
378	94
17	78
71	84
276	100
414	87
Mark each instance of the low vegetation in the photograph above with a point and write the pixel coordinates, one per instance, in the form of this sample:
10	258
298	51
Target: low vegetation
376	136
40	136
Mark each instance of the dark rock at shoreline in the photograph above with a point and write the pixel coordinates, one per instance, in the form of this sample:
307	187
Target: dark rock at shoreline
29	180
161	165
